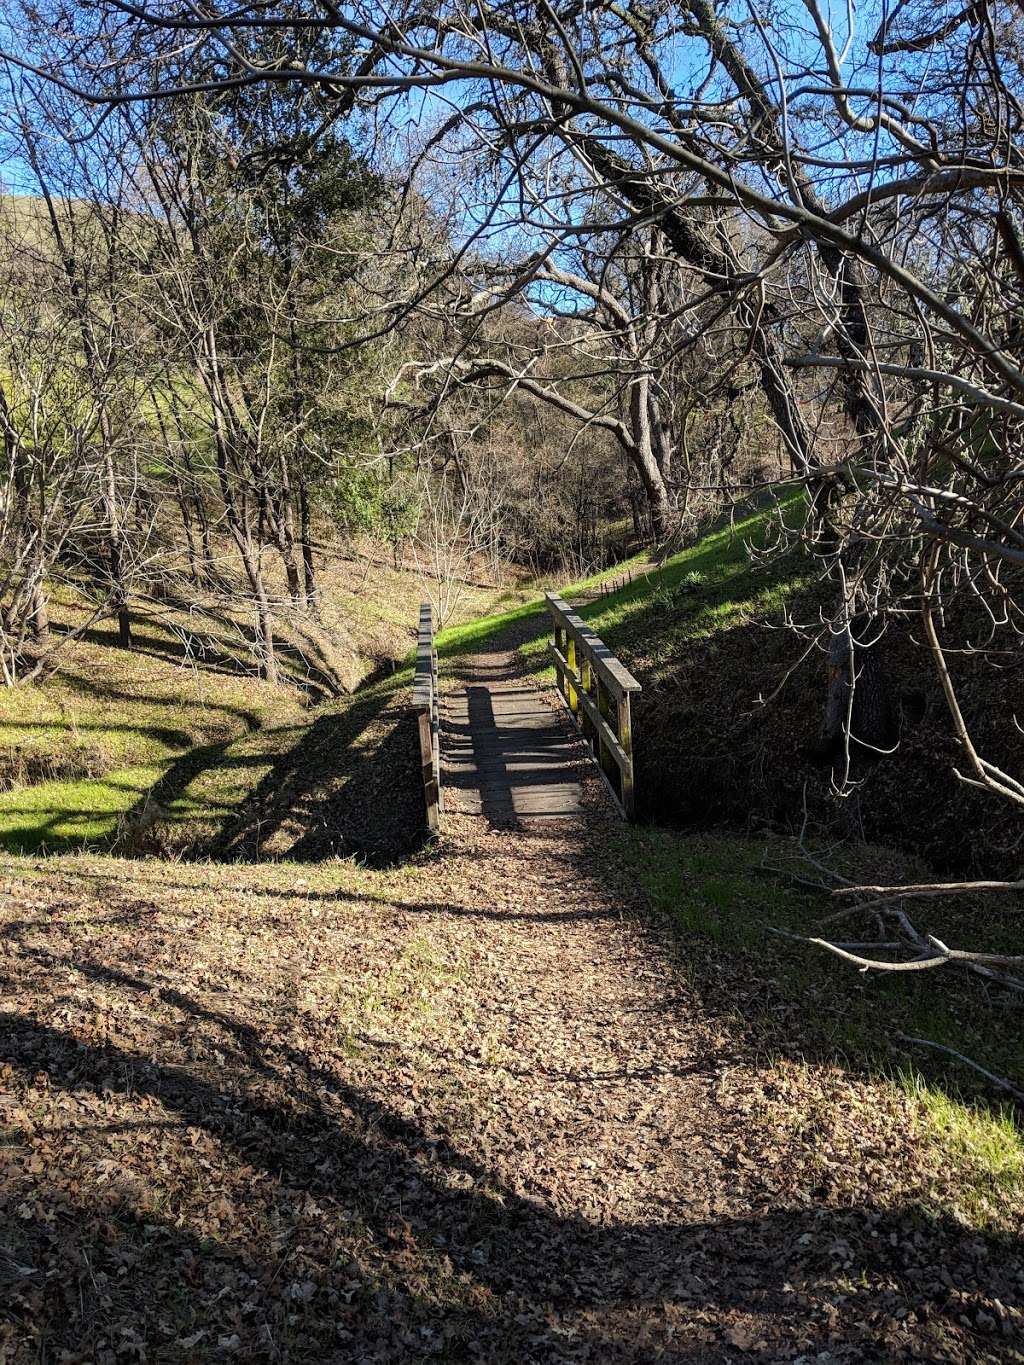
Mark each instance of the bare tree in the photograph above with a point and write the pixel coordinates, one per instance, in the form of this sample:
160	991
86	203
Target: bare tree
840	211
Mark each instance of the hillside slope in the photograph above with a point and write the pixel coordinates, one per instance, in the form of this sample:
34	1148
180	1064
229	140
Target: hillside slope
175	744
727	727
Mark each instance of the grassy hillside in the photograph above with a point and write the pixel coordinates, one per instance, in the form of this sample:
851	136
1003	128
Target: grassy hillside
175	745
84	750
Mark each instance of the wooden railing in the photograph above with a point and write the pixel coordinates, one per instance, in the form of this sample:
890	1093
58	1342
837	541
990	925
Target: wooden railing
596	688
424	701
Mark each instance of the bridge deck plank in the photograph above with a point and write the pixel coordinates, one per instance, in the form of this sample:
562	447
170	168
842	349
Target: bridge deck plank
507	751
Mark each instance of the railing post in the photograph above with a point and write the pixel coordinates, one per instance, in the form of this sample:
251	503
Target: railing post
625	728
430	784
570	691
435	723
587	678
605	705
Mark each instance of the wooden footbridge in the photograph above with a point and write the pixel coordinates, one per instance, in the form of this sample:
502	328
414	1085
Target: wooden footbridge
499	745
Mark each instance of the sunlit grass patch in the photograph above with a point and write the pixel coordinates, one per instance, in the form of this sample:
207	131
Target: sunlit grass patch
51	817
159	734
717	556
81	749
985	1145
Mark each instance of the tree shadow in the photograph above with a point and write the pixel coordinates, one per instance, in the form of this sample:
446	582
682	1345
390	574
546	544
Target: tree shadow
193	649
363	1235
105	691
350	786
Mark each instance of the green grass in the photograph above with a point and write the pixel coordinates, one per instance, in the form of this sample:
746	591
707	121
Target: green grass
51	817
710	583
698	591
986	1144
728	902
168	741
82	750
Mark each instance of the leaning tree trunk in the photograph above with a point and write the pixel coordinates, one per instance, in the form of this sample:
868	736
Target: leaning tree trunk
251	562
661	438
284	539
266	629
39	608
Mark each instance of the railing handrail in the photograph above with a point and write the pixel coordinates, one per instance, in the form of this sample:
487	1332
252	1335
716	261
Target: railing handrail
425	703
596	689
423	687
615	674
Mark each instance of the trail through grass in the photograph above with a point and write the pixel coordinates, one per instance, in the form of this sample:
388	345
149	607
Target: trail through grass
623	616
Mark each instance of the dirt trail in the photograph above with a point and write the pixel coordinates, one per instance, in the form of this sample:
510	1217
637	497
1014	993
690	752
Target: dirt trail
471	1111
663	1217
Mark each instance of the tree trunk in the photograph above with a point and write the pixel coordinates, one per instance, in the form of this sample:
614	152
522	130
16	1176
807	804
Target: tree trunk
658	501
250	557
30	531
858	714
190	543
115	544
268	664
661	440
39	609
284	535
634	507
306	538
286	548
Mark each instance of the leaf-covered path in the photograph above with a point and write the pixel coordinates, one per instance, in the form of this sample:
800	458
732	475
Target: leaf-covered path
475	1110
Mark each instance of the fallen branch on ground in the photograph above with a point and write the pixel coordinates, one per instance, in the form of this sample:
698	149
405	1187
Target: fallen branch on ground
928	889
999	1081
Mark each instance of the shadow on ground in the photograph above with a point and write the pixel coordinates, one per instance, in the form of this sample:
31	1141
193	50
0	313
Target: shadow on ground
349	784
228	648
358	1235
